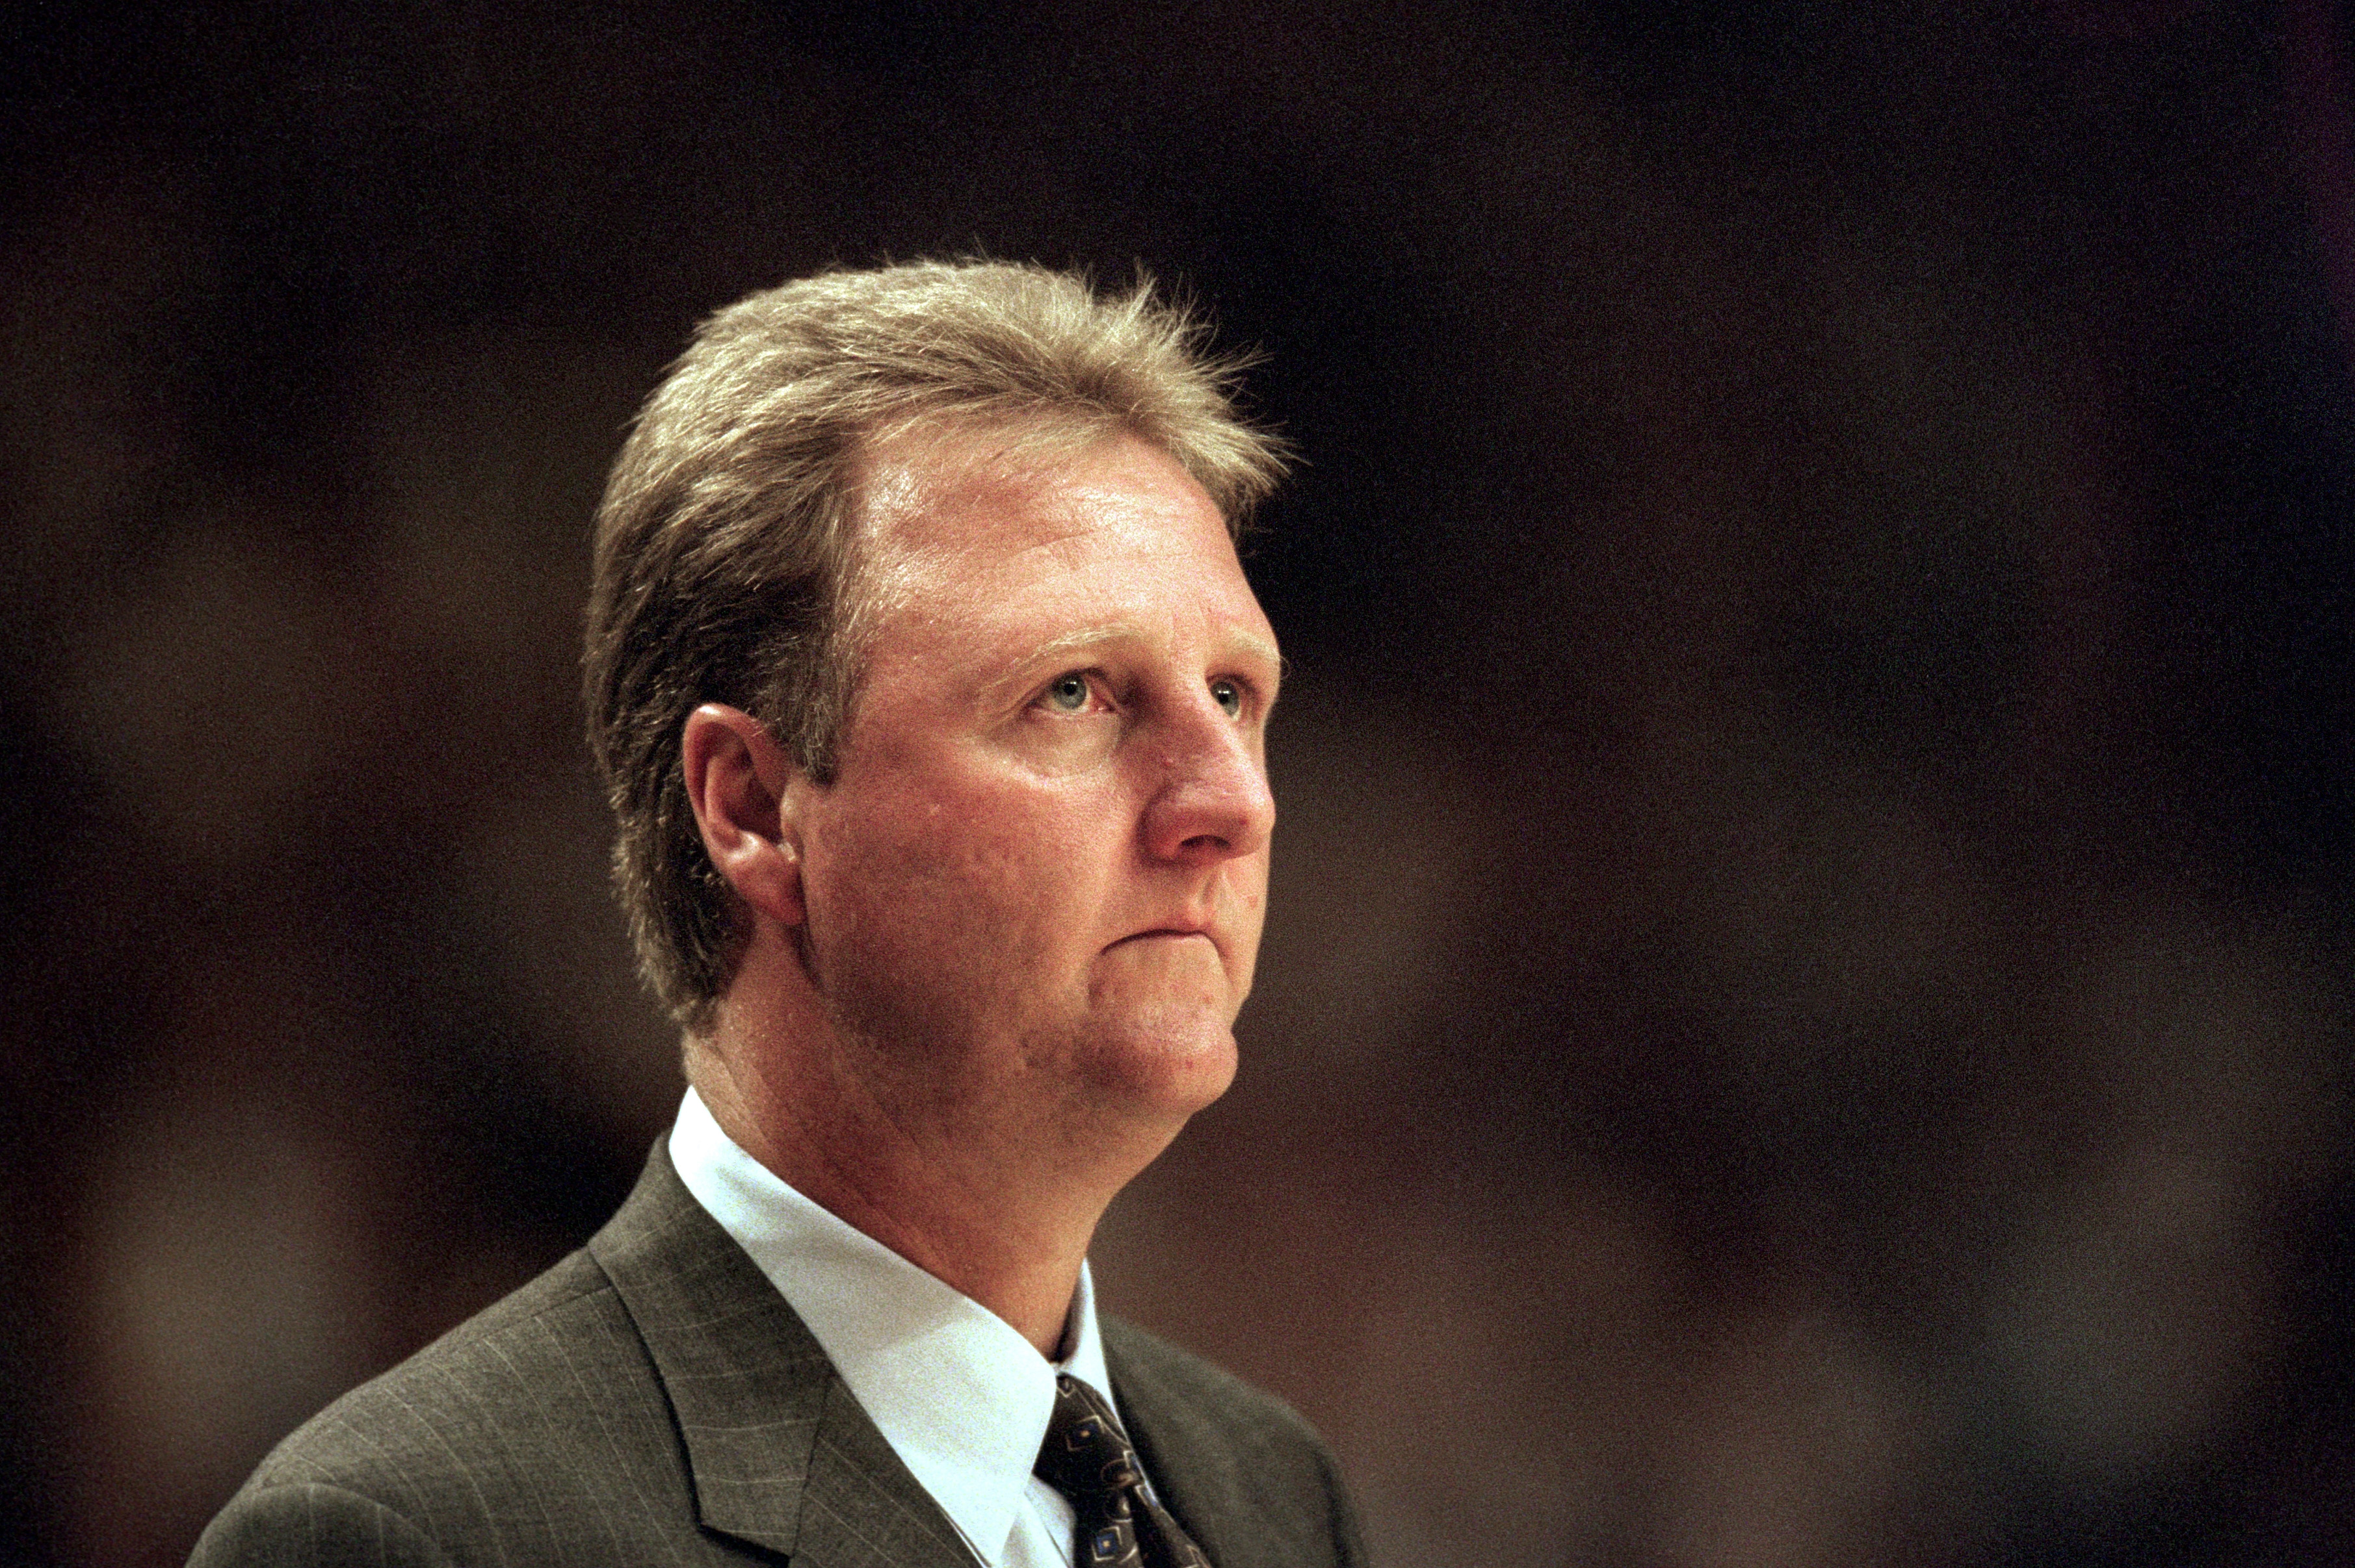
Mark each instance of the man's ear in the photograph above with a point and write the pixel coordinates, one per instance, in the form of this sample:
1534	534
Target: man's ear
736	779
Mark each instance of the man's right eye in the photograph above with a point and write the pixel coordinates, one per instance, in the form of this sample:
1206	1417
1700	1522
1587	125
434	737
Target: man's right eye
1067	693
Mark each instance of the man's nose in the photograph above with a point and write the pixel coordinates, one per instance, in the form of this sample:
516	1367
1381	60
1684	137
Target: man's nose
1214	803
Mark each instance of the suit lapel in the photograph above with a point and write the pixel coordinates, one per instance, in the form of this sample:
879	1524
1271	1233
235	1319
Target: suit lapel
861	1508
780	1454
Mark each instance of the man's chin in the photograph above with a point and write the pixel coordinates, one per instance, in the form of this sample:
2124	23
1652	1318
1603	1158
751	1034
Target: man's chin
1171	1063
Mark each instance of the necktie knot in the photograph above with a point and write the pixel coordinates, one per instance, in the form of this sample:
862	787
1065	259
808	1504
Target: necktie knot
1087	1457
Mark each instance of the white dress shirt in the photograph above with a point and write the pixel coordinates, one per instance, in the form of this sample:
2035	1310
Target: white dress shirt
962	1398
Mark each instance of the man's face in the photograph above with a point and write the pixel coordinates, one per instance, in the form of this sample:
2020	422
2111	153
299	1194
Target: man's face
1034	888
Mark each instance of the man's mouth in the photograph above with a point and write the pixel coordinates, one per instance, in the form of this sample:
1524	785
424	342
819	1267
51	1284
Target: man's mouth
1161	932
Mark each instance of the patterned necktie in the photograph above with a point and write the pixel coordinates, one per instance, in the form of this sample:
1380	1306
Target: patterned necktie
1087	1458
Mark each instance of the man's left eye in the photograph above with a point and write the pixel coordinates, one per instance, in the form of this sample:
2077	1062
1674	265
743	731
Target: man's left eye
1229	696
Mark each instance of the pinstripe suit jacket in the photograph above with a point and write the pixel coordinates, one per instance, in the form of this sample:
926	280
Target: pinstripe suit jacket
653	1400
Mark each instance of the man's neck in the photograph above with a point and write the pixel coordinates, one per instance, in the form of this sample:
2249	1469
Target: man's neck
1007	1241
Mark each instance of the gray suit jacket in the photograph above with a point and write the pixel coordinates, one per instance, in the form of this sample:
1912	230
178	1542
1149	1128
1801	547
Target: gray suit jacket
653	1400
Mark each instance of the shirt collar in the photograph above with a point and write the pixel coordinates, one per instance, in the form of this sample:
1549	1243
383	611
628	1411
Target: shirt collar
962	1398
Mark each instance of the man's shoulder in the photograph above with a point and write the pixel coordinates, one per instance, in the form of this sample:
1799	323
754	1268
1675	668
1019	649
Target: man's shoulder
540	1430
515	1372
1240	1465
529	1411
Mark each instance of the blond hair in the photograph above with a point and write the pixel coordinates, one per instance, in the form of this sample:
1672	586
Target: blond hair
723	545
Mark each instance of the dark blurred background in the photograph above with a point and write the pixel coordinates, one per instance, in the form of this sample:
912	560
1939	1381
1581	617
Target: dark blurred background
1805	1019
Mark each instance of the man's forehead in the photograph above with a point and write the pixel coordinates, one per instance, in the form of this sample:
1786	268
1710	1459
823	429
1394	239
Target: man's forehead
932	501
1040	553
905	476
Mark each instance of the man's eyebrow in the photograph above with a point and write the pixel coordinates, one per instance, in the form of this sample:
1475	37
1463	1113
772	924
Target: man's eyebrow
1078	641
1087	637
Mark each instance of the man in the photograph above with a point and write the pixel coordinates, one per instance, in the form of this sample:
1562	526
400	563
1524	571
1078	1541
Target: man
931	700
